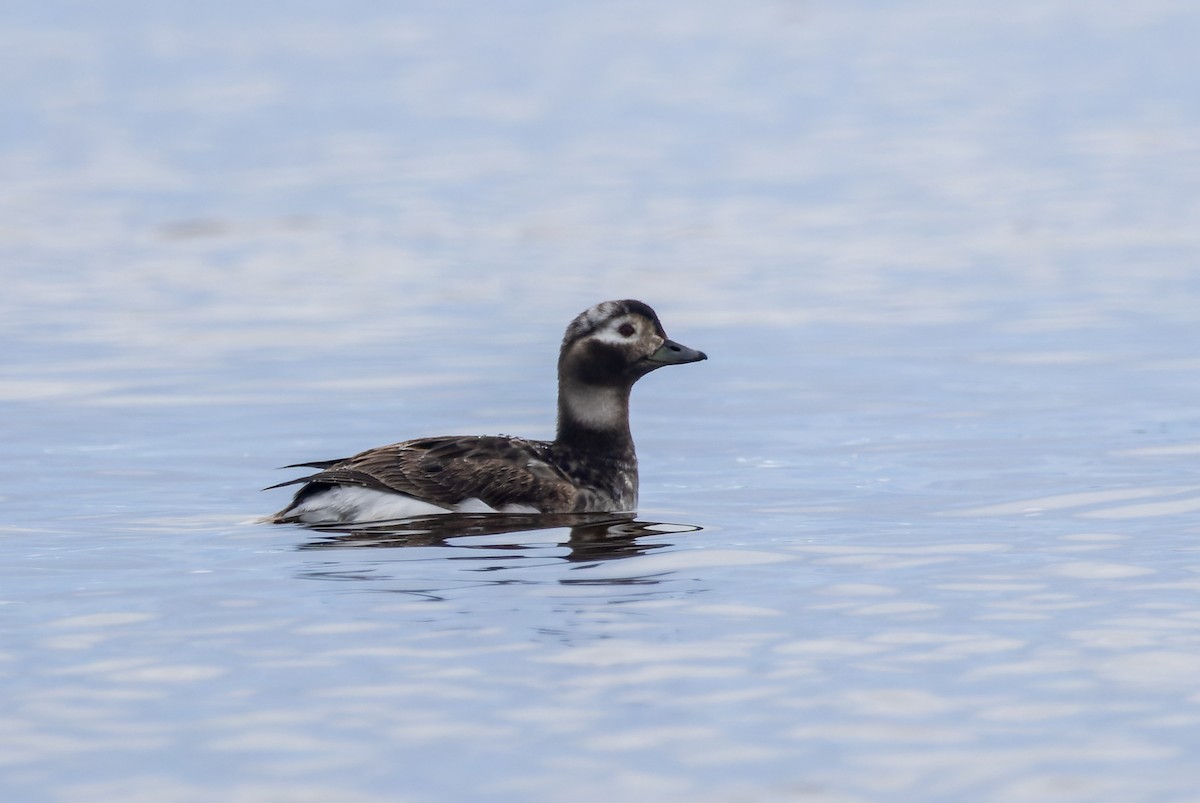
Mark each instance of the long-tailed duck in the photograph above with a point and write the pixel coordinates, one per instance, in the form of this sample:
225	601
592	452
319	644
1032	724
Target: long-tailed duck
590	466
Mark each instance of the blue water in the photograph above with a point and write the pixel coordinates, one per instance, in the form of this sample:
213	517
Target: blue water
924	527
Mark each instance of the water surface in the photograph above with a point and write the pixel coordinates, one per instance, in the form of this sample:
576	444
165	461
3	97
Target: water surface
924	527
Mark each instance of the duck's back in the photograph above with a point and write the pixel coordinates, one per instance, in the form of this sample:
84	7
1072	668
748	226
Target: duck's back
433	475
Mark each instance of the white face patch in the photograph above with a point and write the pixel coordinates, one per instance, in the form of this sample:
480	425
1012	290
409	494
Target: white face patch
642	335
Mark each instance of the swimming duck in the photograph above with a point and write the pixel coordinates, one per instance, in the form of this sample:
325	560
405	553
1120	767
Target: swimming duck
590	466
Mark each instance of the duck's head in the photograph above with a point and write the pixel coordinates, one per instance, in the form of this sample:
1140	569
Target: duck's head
615	343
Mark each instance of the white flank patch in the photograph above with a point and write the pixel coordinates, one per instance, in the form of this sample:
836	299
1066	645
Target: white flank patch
474	505
345	504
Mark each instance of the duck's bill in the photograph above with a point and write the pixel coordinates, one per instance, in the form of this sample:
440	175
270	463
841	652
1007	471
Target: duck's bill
672	353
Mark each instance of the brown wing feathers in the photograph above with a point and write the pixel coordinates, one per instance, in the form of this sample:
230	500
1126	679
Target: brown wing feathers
446	471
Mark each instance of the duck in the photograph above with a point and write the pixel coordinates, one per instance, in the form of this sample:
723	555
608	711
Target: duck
589	467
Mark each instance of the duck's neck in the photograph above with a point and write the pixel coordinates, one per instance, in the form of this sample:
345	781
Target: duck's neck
594	420
593	445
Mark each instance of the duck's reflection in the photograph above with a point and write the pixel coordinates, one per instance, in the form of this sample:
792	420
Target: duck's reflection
592	536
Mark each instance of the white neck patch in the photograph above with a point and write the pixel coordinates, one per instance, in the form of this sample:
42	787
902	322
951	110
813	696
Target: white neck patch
597	407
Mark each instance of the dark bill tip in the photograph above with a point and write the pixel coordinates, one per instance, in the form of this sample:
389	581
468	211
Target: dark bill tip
672	353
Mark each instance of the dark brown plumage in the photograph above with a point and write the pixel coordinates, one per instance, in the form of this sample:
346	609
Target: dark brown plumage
590	466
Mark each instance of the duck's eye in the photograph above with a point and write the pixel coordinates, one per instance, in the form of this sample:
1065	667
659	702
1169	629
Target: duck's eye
627	330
